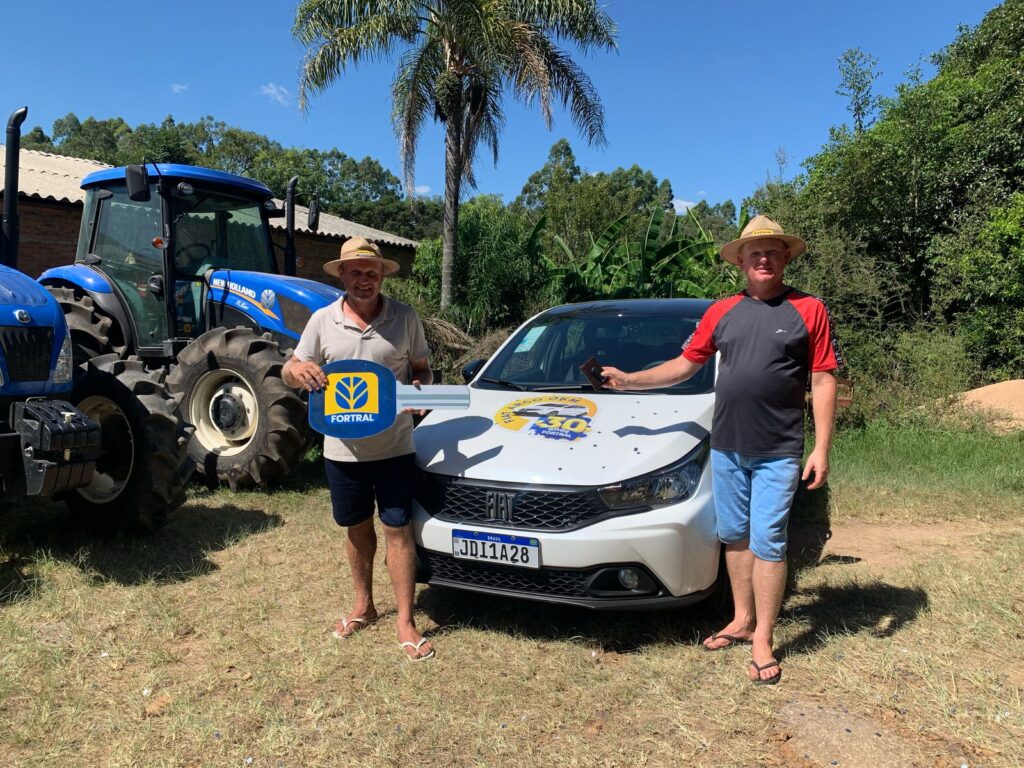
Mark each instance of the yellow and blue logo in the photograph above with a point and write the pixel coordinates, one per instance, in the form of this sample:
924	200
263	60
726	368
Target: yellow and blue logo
352	393
360	400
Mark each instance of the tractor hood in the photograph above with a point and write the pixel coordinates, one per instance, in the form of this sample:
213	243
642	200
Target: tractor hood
20	290
276	303
562	438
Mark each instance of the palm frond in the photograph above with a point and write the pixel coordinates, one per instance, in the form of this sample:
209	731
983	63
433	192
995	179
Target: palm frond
412	101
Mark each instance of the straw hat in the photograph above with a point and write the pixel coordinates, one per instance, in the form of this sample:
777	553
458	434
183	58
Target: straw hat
761	228
360	248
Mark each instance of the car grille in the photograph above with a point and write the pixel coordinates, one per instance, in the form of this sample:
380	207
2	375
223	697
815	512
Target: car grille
27	351
544	581
456	500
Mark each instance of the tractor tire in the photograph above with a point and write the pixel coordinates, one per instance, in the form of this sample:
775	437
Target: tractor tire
92	333
143	466
251	428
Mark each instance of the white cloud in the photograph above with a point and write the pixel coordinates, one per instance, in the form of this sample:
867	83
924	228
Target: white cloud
702	192
179	87
275	93
423	189
682	206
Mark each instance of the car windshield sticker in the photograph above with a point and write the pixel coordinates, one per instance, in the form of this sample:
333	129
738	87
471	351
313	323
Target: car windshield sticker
554	417
530	338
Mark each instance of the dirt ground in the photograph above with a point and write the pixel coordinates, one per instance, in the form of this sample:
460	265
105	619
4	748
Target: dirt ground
1002	402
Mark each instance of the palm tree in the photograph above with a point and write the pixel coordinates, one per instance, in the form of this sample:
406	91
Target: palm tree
459	58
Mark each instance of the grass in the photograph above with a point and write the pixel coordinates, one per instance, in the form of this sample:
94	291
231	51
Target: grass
219	625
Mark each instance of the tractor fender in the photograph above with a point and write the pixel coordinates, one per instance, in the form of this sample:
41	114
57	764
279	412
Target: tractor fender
87	281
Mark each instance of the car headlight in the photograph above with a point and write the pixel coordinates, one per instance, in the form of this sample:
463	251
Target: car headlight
675	483
62	373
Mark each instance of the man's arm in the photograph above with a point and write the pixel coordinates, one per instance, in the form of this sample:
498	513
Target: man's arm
823	402
665	375
303	374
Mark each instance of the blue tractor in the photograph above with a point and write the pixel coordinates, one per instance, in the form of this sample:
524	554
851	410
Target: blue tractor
107	438
176	266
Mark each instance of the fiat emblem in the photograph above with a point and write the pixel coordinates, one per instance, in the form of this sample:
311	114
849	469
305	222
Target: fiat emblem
22	316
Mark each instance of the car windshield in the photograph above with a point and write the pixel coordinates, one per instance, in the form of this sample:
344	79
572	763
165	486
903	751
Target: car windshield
546	354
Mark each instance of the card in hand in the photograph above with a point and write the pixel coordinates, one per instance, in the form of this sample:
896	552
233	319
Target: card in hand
592	370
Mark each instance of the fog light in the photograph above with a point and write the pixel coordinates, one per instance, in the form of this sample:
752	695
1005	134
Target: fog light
629	578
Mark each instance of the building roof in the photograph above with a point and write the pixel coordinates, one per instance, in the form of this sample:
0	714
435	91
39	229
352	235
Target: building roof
58	178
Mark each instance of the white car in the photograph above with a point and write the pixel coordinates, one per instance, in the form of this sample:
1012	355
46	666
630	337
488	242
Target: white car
548	490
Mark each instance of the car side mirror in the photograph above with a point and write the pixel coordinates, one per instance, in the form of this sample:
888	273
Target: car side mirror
138	183
313	222
471	369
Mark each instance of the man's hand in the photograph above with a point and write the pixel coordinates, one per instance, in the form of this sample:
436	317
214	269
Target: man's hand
415	411
304	373
817	465
665	375
614	378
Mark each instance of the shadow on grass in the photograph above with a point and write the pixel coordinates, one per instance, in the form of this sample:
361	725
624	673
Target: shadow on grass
177	552
881	608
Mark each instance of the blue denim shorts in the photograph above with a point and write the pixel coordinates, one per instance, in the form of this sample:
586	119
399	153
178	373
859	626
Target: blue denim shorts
356	485
753	496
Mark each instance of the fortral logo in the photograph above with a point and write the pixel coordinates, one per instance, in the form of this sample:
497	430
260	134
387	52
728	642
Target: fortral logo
352	397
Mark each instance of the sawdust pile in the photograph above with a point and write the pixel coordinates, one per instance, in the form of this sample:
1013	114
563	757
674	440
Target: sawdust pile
1002	403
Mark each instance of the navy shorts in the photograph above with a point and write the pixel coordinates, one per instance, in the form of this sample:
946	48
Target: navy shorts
356	485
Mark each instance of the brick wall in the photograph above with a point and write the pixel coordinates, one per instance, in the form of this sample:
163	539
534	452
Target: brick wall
49	234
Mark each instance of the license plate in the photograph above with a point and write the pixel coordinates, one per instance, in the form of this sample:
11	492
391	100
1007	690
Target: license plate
521	551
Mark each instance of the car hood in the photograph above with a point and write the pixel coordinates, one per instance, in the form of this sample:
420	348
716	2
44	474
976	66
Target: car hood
562	438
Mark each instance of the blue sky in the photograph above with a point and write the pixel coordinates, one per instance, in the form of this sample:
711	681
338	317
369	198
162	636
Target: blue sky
701	93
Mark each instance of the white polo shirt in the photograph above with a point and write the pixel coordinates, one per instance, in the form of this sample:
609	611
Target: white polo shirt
393	339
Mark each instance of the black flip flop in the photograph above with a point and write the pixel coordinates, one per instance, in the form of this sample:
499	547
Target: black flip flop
769	665
733	640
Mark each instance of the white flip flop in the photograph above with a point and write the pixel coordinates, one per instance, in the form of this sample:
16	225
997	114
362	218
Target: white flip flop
415	647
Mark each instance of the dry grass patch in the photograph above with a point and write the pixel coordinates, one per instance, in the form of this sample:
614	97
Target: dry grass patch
209	645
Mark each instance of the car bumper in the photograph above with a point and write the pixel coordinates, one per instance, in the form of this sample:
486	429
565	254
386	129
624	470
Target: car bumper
675	549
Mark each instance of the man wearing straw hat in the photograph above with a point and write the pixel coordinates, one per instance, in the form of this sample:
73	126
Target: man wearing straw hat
771	338
365	325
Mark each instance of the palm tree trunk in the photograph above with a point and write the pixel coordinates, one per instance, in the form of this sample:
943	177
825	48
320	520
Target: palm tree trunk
452	185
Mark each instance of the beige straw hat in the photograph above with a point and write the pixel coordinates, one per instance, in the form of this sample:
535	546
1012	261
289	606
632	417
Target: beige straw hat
761	228
360	248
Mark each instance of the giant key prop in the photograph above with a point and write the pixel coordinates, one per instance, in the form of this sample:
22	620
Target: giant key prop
363	399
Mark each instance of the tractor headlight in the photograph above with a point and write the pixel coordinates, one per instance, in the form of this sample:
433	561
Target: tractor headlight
675	483
65	362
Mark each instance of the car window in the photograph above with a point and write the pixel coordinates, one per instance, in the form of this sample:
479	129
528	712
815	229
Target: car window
549	351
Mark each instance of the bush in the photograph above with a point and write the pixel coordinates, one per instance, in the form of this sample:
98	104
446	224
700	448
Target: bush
499	278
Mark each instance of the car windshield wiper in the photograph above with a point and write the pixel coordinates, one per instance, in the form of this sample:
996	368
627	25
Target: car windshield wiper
505	383
563	388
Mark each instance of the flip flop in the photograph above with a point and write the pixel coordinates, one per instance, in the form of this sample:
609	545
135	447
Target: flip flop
341	632
415	649
769	665
733	640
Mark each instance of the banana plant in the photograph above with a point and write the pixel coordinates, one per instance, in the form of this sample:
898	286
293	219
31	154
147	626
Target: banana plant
616	267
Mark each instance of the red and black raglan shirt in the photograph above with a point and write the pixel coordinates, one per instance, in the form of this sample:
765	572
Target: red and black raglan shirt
768	350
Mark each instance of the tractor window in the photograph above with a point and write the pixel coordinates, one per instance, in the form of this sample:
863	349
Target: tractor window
123	239
215	230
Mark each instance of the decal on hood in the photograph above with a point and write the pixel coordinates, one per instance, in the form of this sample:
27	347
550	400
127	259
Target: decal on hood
555	417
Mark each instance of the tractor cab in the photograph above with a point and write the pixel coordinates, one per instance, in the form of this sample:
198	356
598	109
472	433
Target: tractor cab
157	238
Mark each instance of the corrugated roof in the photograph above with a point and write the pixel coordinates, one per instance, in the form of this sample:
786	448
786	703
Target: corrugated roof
52	177
55	177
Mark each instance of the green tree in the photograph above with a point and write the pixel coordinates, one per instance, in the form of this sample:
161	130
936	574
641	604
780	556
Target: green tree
461	57
500	278
858	72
